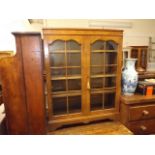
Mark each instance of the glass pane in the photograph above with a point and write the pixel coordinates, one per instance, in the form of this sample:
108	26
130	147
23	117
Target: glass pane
57	60
97	58
134	53
57	46
110	82
74	84
109	100
58	72
59	106
97	70
110	45
74	104
98	45
72	45
58	85
73	59
110	70
110	58
96	101
96	83
73	71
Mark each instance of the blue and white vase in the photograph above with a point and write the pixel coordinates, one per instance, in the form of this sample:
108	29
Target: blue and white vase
129	77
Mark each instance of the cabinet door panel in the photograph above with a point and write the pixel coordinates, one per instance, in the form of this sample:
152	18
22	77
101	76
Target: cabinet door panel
73	59
96	101
74	71
74	104
74	84
58	85
103	70
59	105
65	76
57	60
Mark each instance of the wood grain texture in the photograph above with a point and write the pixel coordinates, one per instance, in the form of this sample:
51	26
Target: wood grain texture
100	128
137	98
86	38
1	98
137	113
22	82
11	75
31	50
142	127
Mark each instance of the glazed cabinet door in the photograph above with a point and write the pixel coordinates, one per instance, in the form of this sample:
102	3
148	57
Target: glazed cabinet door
103	74
63	57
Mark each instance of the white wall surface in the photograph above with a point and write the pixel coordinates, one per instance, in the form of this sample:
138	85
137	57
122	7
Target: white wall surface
7	41
138	34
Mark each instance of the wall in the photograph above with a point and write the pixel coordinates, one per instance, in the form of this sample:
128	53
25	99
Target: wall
138	34
7	41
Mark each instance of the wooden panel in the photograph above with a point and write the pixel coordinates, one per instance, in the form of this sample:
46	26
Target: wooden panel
99	128
1	100
143	127
137	113
11	75
33	76
137	99
69	31
141	112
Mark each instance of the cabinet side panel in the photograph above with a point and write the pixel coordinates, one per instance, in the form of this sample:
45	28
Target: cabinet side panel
33	73
11	75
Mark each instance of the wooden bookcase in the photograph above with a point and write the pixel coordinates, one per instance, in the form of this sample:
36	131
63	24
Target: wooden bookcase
83	79
83	75
140	52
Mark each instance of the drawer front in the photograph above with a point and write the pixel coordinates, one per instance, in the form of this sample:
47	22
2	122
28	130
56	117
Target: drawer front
141	112
143	127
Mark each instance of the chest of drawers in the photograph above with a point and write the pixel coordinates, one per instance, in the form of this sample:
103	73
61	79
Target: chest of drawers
138	113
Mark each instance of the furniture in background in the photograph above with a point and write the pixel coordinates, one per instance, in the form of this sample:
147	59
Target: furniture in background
137	113
83	75
146	75
151	55
140	52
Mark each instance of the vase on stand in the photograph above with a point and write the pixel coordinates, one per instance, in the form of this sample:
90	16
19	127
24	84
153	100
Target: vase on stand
129	77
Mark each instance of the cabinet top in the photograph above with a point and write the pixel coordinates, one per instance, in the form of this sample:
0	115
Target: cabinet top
26	33
81	31
137	98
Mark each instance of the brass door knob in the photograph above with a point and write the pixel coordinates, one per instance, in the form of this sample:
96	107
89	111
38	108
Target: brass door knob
145	112
144	128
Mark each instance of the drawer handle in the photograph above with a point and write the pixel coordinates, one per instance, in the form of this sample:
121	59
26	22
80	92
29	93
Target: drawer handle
145	112
144	128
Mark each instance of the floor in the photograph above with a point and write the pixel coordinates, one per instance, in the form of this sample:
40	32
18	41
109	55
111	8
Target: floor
98	128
